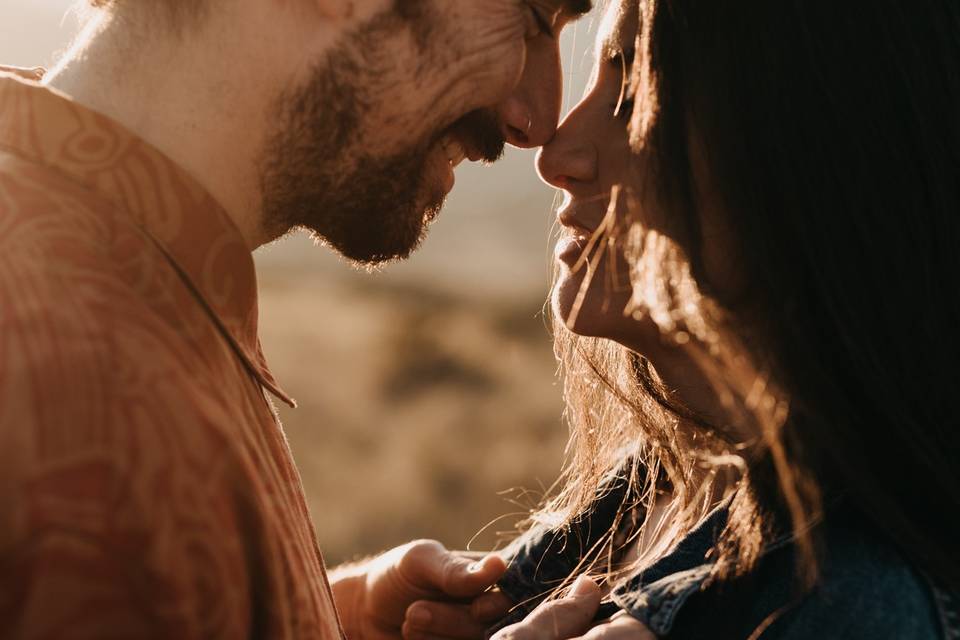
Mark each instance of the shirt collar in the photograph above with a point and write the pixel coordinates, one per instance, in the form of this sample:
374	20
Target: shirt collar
186	224
656	595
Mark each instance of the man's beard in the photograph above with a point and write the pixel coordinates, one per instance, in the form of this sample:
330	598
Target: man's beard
317	174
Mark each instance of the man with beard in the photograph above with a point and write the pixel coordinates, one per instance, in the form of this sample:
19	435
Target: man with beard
146	489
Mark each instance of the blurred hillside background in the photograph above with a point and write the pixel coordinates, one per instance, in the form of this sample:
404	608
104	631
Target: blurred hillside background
429	405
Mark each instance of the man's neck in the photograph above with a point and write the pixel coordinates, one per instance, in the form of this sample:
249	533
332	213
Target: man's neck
178	95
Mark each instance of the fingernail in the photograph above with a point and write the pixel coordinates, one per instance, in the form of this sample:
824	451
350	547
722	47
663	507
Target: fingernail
583	585
420	616
476	567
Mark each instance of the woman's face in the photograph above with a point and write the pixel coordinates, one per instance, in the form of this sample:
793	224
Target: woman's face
588	157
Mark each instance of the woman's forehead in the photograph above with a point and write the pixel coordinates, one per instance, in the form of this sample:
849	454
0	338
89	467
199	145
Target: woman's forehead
618	28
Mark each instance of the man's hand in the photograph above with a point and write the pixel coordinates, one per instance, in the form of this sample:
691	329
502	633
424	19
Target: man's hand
373	598
434	620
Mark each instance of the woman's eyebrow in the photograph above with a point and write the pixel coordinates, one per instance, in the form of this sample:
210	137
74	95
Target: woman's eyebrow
617	54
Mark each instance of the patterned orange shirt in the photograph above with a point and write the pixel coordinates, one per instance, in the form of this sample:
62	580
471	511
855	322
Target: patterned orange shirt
146	487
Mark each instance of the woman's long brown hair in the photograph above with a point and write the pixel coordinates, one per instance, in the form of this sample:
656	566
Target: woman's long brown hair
831	132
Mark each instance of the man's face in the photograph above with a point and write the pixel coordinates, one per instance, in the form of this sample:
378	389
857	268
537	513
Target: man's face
365	148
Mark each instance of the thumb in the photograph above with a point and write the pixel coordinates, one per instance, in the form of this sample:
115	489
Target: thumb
431	567
584	587
570	616
465	578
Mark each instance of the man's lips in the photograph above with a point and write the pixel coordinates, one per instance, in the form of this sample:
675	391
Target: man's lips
457	149
480	134
456	153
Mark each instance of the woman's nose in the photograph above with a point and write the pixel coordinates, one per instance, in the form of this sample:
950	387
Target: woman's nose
567	162
530	114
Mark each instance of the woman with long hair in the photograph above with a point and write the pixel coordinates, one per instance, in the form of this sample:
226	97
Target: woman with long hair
757	319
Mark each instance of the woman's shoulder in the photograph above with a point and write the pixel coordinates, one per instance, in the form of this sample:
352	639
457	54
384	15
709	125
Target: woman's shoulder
867	589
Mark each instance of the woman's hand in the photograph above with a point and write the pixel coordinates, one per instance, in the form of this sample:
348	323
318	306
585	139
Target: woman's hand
373	597
563	619
569	617
621	626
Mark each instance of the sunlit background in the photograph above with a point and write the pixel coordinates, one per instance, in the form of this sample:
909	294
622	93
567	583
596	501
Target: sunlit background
429	405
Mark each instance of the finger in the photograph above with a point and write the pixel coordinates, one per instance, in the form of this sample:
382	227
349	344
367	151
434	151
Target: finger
417	635
559	619
490	607
443	619
572	614
428	565
621	626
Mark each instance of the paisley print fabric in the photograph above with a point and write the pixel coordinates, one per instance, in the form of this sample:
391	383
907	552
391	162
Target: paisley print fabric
146	487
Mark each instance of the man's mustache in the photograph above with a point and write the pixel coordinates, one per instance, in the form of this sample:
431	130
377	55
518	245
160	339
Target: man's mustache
480	133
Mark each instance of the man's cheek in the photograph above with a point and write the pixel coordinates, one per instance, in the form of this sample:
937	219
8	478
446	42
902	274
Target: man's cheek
488	38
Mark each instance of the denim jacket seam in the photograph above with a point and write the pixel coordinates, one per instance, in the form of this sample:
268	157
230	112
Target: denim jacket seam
947	605
660	613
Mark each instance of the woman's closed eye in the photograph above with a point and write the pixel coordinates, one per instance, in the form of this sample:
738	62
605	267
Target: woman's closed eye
622	62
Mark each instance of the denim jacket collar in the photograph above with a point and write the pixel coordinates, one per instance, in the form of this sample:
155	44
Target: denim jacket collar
654	595
867	588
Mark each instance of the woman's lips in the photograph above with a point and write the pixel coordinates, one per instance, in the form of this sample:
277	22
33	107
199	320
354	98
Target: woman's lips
569	249
580	219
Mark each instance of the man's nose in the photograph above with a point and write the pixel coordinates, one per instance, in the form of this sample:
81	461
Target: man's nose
530	114
526	122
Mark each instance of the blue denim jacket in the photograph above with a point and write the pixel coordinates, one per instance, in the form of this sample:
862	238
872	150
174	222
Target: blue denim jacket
866	588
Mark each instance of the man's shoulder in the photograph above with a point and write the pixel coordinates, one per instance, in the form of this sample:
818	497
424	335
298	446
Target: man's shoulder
77	274
53	229
31	188
83	330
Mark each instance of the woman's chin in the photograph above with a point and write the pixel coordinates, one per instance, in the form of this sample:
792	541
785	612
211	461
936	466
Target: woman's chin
596	315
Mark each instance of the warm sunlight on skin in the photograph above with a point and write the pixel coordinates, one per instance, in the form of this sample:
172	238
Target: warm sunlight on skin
412	77
589	158
651	302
